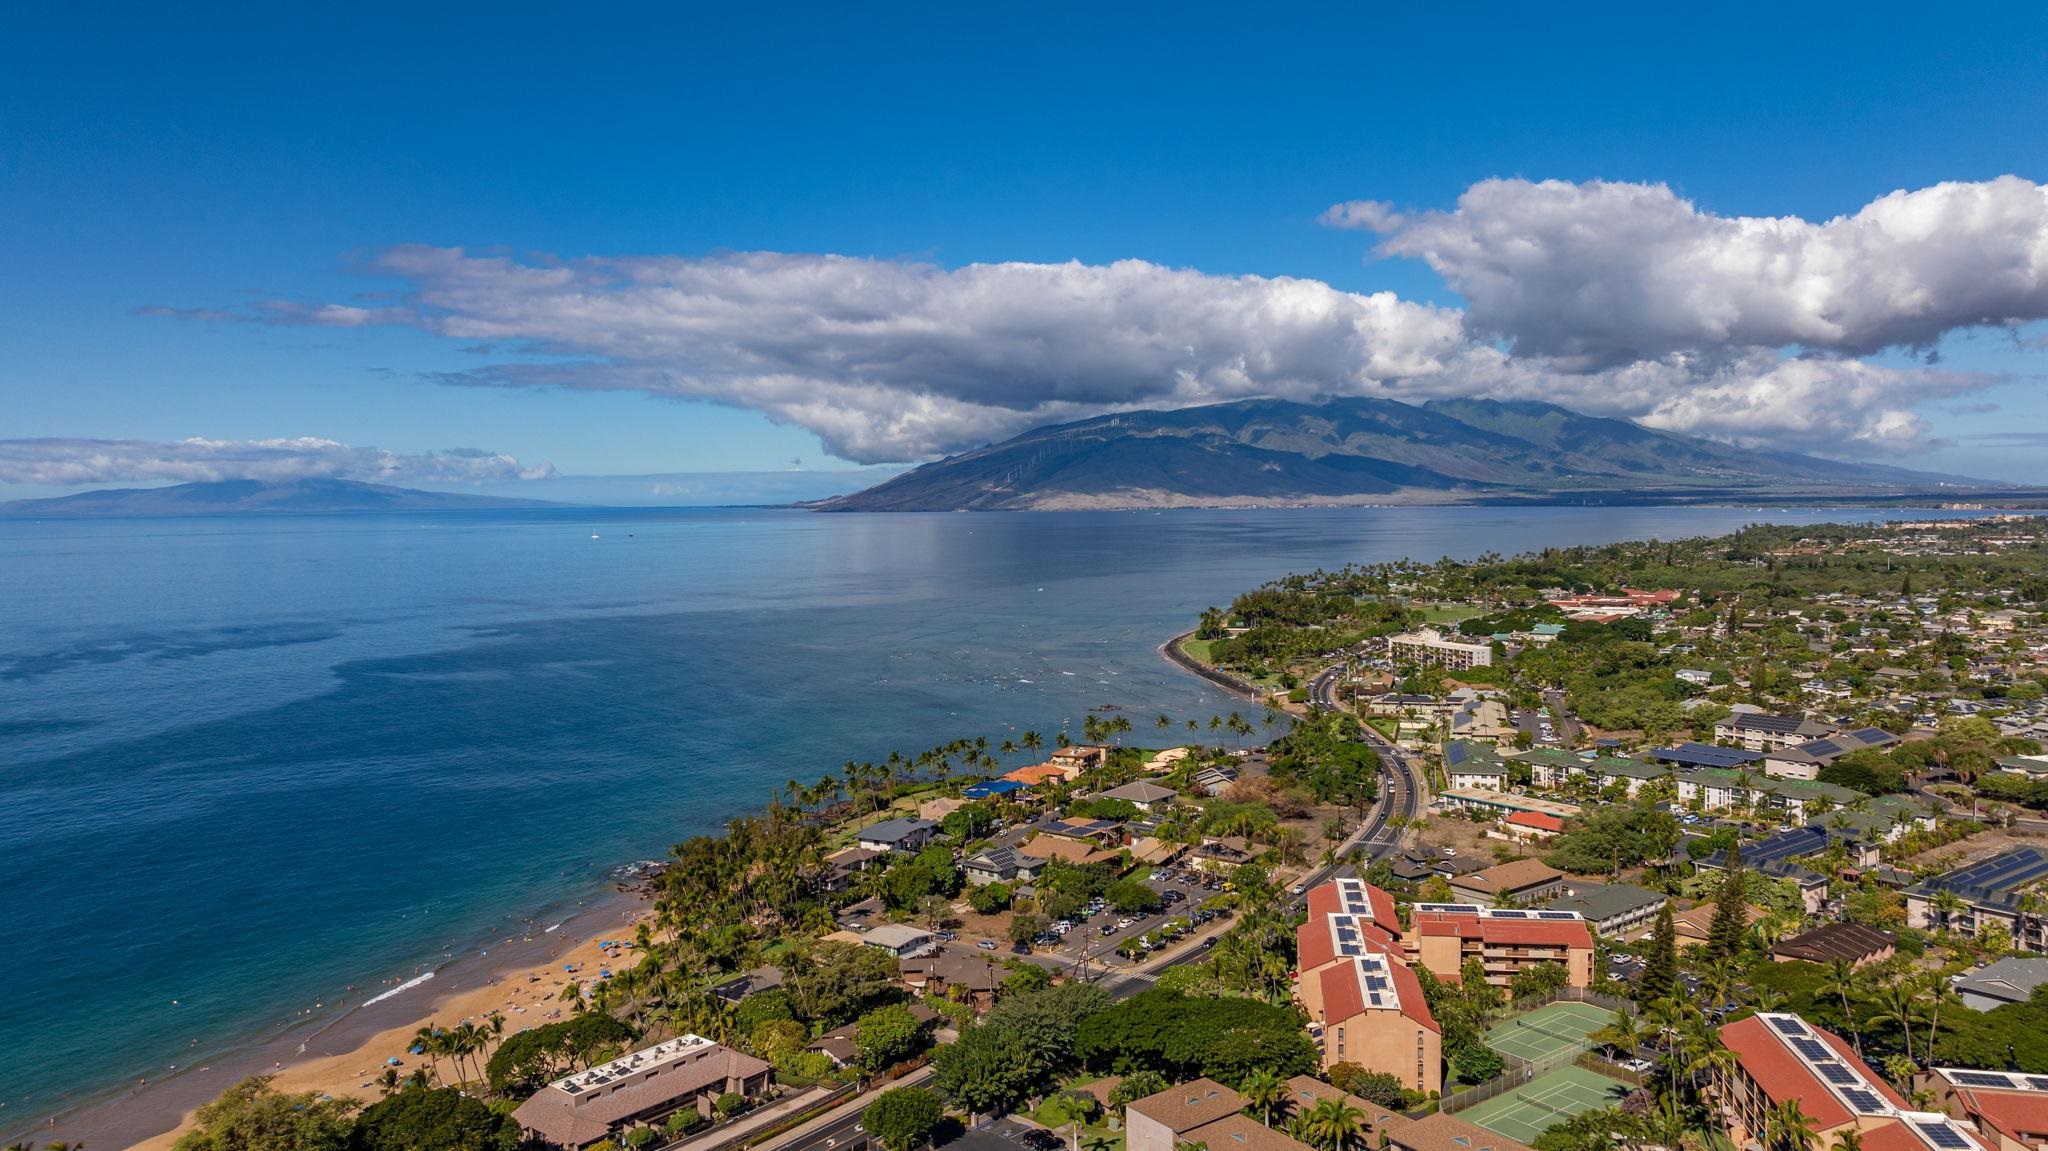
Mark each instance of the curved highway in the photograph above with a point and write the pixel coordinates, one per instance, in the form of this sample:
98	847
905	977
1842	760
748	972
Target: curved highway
1399	793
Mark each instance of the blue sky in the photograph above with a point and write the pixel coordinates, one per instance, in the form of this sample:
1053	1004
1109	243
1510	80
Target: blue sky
206	166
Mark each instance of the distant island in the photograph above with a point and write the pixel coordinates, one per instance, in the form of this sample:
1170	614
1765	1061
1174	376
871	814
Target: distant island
1373	451
241	497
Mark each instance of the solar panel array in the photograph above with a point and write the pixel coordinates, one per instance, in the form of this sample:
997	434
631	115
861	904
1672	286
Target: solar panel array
2002	872
1493	912
1995	1080
1845	1081
1944	1135
1376	983
1864	1102
1870	735
1706	755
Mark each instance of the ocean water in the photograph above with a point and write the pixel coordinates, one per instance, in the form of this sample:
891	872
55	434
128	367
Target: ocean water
248	762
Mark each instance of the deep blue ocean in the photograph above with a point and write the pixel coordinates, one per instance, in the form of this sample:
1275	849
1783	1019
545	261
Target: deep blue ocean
246	762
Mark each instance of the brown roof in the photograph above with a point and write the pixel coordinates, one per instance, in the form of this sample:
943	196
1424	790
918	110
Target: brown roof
1060	847
1442	1132
1237	1132
1305	1091
1511	876
1851	941
1693	923
1186	1106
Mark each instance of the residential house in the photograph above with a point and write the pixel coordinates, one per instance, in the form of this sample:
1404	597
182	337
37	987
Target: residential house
1861	946
1762	731
749	983
900	939
1002	865
909	835
647	1086
1614	909
1214	781
1520	881
1692	928
1206	1113
953	973
1502	803
1531	827
2010	980
1144	795
1474	766
1483	721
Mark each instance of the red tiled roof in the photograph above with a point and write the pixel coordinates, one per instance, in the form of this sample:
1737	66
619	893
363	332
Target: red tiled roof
1315	944
1409	988
1383	912
2021	1116
1344	995
1542	932
1782	1076
1537	820
1890	1135
1323	902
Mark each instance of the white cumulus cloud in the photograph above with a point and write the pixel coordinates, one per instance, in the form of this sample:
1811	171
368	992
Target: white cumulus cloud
1615	299
64	462
1599	274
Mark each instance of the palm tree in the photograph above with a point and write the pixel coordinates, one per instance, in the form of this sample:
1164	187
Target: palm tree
1841	979
1849	1139
1623	1033
1334	1125
1947	905
1033	741
1939	992
1265	1095
1795	1130
1898	1003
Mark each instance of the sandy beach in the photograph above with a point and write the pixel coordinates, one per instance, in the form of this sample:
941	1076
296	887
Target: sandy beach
347	1057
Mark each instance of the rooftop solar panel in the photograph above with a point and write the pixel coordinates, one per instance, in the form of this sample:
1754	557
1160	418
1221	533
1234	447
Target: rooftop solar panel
1981	1079
1943	1135
1837	1074
1557	915
1865	1102
1788	1026
1509	915
1812	1049
1871	734
2037	1082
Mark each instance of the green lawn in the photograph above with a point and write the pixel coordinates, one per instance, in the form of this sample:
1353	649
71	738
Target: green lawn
1198	649
1448	613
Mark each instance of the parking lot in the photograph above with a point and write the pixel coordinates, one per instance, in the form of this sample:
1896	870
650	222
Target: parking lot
1101	930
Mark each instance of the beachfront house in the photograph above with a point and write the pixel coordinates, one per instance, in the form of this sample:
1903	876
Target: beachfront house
909	835
645	1087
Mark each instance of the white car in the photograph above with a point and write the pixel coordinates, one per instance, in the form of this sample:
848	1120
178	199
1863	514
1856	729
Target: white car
1450	853
1299	888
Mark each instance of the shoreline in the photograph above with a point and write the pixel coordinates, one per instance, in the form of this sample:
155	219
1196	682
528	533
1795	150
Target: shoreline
518	975
342	1055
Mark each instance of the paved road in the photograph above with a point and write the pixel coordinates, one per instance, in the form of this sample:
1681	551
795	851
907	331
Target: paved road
1399	794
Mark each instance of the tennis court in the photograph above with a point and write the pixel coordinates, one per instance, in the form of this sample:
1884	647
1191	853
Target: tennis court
1543	1103
1548	1030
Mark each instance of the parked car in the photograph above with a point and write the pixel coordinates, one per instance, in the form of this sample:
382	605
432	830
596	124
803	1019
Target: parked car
1300	888
987	945
1637	1065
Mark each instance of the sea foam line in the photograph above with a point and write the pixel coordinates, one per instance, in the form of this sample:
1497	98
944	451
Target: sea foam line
415	981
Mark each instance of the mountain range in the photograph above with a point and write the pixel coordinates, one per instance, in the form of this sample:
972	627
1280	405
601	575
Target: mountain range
1369	451
240	497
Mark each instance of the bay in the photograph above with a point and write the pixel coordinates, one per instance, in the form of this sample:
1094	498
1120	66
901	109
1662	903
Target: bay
253	765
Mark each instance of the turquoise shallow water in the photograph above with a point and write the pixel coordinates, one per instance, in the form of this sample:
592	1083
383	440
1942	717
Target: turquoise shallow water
245	763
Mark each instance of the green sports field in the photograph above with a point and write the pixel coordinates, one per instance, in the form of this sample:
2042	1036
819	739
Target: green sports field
1543	1103
1548	1030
